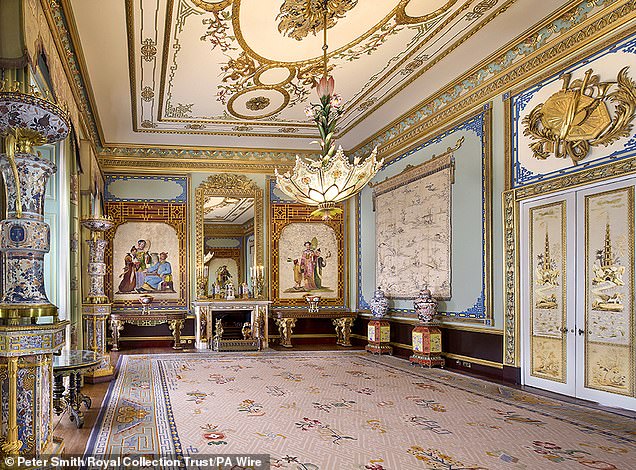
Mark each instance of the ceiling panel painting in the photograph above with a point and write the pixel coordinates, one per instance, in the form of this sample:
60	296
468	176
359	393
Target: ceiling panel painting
246	67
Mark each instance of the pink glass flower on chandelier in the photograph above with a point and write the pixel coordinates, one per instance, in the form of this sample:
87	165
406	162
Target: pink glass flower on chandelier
325	86
332	178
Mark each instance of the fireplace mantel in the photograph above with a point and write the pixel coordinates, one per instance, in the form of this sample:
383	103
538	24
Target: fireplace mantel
204	312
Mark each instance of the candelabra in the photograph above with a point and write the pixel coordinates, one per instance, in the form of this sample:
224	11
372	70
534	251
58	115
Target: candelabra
258	280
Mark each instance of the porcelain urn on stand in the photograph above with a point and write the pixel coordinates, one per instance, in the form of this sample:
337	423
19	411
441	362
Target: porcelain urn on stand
378	329
427	336
30	331
96	307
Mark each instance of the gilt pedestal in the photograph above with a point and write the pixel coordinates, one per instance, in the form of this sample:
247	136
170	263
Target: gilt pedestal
379	337
95	318
26	381
427	346
96	307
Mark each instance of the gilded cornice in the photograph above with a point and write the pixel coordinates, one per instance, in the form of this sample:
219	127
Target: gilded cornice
572	28
177	165
198	158
73	64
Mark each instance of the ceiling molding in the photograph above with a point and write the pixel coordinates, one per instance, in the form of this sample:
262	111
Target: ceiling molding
574	27
477	10
58	23
132	164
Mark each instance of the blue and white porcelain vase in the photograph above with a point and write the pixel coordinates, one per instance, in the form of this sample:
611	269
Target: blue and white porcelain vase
379	304
26	121
96	265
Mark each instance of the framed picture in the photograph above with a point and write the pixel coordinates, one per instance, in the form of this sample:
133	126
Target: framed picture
307	256
147	254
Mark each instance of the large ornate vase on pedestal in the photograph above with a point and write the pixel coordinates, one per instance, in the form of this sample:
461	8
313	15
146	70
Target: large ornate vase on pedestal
378	329
26	348
26	121
96	307
427	336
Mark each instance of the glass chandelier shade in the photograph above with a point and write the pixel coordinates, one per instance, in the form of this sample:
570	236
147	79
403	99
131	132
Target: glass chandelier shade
331	178
325	183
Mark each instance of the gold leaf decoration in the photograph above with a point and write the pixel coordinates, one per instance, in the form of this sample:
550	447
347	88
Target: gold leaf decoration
577	118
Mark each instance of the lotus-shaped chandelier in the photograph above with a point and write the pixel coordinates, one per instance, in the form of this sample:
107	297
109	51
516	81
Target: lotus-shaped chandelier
331	178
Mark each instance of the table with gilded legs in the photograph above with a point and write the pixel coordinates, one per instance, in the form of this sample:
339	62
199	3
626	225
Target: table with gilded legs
286	321
175	321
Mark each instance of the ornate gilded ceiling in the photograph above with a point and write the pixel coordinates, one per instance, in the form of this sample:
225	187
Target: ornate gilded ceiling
182	77
247	66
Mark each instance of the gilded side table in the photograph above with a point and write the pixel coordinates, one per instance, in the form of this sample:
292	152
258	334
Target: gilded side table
73	364
286	321
175	321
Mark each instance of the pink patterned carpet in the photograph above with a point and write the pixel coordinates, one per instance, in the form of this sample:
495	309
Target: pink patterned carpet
347	410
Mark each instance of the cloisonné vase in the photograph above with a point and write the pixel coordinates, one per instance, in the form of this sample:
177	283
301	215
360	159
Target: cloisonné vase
26	121
426	307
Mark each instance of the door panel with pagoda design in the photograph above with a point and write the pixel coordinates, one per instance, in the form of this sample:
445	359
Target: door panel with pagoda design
547	298
577	292
607	313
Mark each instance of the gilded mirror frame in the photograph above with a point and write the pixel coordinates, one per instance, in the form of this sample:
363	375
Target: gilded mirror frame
231	185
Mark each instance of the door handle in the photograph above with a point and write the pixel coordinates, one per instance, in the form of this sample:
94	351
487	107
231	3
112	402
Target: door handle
581	332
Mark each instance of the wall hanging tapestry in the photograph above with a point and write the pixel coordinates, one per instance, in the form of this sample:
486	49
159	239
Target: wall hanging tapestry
413	230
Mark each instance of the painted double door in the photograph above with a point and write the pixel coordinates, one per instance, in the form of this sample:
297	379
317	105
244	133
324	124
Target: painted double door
577	293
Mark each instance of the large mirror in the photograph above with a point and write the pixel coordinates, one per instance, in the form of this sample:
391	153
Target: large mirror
229	229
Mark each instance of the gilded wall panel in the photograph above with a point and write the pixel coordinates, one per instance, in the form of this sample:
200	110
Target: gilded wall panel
307	256
577	118
609	293
142	233
547	306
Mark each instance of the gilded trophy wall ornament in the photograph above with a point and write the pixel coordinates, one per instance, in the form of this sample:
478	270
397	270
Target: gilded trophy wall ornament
577	118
